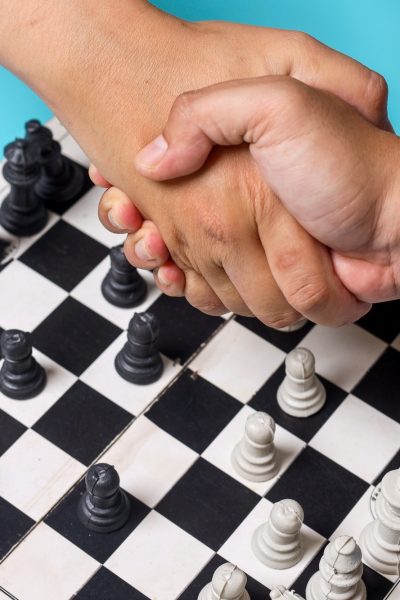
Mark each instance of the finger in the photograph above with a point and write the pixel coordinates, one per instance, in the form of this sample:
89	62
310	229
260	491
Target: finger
118	213
97	178
145	249
362	277
322	67
201	296
170	279
303	269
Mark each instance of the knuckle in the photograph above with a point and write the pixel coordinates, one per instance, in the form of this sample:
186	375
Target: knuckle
376	90
309	296
301	38
184	104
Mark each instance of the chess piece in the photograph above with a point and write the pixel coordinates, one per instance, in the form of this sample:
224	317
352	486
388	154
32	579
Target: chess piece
339	574
22	212
21	377
281	593
380	539
104	507
277	543
254	457
123	286
139	360
293	327
61	180
228	583
301	394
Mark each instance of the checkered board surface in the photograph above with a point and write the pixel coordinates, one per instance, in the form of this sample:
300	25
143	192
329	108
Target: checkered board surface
171	441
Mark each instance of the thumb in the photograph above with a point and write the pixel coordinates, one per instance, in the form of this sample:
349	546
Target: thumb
225	114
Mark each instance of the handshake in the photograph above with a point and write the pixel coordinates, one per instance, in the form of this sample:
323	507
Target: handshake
309	227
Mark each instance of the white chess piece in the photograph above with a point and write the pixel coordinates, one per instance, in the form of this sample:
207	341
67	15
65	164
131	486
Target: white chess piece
228	583
339	574
277	543
301	394
281	593
254	457
380	539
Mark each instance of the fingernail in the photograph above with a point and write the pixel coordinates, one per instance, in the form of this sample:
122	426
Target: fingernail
113	220
151	154
141	251
161	277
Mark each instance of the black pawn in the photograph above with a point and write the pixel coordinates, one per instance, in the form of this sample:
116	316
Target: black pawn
104	507
61	180
139	360
21	377
22	211
123	286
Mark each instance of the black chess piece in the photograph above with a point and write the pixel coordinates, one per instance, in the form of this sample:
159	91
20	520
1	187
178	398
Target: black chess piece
104	507
22	211
139	360
61	181
21	377
123	286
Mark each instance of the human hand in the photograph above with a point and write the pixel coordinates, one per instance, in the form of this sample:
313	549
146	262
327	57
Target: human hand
333	170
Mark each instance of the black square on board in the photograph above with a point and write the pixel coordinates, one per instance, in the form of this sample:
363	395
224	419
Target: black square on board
182	328
82	422
284	340
64	255
265	399
74	335
380	385
104	585
255	589
10	431
326	491
14	525
194	411
100	546
383	320
208	504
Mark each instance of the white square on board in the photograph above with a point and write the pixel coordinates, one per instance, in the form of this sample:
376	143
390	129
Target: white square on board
219	452
238	361
103	377
34	474
343	355
348	437
26	298
59	380
45	564
237	549
149	461
396	345
159	558
88	291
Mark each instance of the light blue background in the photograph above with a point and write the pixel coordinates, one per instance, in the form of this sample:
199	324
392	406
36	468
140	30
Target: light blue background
368	30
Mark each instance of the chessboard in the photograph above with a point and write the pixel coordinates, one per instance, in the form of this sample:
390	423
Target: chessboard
171	441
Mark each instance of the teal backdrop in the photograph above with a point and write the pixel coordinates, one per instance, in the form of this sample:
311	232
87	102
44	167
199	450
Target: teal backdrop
368	30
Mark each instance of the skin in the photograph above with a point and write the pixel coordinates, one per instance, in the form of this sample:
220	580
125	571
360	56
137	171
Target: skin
103	79
333	170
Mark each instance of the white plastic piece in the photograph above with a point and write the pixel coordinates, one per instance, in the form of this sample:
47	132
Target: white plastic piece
301	394
281	593
380	539
228	583
254	457
277	543
294	327
339	574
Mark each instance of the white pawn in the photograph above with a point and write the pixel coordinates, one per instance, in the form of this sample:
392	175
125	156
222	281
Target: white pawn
277	543
281	593
254	457
339	574
301	394
228	583
380	539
